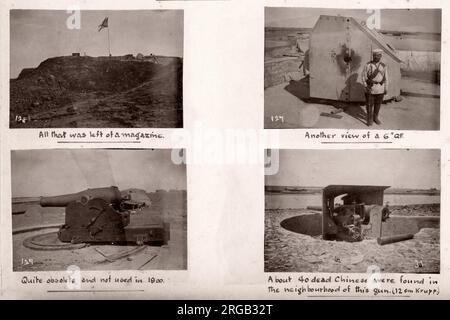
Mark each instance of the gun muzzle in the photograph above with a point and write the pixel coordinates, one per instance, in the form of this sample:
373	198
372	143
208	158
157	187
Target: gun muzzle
392	239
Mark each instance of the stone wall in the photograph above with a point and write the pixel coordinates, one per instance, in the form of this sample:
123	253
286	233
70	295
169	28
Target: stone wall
281	70
421	64
396	225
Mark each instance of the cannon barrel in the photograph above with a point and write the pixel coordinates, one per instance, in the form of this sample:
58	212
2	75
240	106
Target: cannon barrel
109	194
392	239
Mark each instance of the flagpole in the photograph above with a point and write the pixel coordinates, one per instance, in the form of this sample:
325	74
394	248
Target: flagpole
109	44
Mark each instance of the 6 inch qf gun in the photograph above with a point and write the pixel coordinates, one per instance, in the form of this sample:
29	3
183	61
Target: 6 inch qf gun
106	215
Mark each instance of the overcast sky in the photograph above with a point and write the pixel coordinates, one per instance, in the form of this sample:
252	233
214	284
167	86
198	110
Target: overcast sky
40	34
396	168
418	20
58	171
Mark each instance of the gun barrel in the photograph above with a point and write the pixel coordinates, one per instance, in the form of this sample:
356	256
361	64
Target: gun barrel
109	194
392	239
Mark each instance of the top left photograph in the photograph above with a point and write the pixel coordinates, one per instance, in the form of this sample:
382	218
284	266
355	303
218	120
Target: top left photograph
96	69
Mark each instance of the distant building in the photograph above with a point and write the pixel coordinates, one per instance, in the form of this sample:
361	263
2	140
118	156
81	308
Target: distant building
76	54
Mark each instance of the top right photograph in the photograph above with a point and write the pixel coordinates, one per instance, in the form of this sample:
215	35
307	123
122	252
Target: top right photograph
352	68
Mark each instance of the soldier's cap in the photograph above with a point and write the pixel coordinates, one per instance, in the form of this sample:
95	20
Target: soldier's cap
377	51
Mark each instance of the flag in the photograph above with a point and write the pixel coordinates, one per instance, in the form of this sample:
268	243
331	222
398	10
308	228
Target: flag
103	25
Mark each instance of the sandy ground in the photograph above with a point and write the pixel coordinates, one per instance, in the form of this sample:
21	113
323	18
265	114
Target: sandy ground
172	256
286	251
433	209
419	109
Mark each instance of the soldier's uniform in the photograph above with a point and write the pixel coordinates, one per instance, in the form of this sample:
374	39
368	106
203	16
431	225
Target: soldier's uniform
375	79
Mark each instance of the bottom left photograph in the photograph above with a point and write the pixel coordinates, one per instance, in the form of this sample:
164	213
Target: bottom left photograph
98	209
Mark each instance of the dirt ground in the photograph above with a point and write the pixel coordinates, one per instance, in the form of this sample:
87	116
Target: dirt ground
433	209
285	108
286	251
172	256
92	92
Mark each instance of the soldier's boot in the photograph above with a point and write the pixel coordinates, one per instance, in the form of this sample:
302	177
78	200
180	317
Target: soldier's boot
369	110
375	114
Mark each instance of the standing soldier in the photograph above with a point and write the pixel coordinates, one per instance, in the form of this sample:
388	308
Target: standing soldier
375	78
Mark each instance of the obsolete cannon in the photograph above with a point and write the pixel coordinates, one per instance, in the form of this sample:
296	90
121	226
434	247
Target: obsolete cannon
360	215
106	215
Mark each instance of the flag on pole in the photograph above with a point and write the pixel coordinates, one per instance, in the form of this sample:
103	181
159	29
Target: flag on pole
104	24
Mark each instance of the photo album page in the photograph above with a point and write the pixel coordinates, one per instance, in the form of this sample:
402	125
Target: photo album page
224	149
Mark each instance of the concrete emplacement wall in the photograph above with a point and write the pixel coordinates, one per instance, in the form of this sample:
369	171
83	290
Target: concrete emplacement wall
311	224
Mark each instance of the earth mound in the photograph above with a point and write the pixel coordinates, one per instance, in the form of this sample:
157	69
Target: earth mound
82	91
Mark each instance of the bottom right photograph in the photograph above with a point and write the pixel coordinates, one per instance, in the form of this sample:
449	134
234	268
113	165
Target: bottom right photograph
353	210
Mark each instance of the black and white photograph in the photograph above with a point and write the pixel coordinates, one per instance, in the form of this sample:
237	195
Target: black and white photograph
352	68
98	209
353	211
96	69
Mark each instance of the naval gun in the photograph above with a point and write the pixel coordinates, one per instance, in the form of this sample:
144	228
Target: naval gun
360	215
107	215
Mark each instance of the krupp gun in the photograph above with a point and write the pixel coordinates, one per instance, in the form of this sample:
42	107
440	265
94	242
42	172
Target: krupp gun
106	215
361	214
